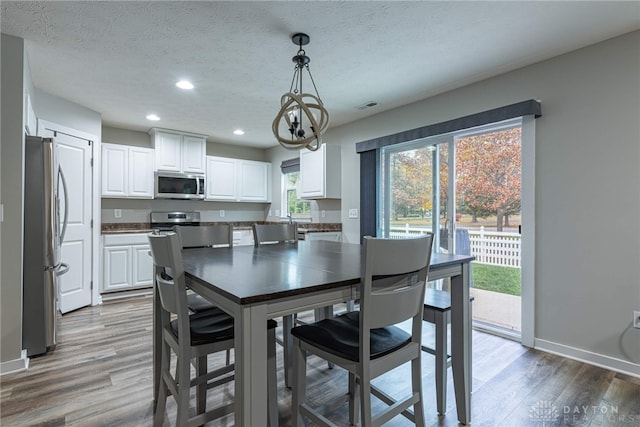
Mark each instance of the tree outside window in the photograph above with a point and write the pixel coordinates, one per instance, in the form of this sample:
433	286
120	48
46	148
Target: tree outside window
292	205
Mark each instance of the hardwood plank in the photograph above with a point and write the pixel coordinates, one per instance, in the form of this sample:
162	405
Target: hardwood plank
100	375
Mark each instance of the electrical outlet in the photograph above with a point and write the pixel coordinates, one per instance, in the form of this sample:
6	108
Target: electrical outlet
117	213
353	213
636	319
323	213
221	213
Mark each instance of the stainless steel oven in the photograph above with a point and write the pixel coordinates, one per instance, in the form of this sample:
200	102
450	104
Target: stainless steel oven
164	221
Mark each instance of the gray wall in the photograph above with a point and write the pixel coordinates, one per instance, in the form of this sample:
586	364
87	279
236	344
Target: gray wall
114	135
59	111
587	188
16	82
14	69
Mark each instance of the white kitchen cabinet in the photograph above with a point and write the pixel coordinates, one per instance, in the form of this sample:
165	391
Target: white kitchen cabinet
334	236
127	172
194	153
254	180
221	179
238	180
126	263
179	151
320	173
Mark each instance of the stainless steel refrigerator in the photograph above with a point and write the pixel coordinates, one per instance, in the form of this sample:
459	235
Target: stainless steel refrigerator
45	222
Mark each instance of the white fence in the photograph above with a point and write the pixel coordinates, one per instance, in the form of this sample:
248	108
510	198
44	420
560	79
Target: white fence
489	247
495	247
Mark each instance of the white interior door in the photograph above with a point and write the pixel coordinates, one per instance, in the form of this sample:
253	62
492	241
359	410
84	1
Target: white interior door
74	156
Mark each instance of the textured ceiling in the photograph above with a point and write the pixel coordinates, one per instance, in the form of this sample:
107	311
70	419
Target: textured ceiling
122	59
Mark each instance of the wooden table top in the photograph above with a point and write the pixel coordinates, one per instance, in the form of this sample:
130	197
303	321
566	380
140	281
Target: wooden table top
247	275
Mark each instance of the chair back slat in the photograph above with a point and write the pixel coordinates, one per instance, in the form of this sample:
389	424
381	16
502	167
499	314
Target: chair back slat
274	233
390	257
394	277
170	281
167	291
393	306
205	235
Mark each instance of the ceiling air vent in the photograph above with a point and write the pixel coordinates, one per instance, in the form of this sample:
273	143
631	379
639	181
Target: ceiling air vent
366	105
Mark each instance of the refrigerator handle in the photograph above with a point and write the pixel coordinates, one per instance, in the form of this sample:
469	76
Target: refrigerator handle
63	268
66	206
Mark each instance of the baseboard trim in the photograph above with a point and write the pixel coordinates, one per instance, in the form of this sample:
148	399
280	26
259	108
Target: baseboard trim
591	358
15	365
111	296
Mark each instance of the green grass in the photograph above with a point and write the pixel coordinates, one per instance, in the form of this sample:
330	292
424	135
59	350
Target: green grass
505	280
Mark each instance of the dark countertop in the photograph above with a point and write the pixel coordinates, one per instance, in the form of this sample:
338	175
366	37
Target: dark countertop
145	227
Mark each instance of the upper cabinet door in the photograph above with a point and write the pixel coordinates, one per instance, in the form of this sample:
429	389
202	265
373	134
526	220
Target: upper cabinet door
114	170
238	180
320	172
140	172
127	172
194	152
254	181
179	151
221	178
168	151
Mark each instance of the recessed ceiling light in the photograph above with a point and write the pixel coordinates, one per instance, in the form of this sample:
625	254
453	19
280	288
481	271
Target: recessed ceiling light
184	84
238	132
153	117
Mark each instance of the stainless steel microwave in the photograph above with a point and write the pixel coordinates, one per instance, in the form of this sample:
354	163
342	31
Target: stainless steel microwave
174	185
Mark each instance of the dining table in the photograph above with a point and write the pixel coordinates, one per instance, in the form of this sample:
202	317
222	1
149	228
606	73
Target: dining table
254	284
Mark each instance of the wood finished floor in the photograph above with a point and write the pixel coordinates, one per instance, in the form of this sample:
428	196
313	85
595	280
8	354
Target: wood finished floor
100	375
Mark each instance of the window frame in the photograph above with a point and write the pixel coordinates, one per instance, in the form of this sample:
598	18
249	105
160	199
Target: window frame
284	205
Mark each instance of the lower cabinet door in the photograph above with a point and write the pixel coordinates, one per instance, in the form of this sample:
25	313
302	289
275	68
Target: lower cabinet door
142	266
117	268
127	263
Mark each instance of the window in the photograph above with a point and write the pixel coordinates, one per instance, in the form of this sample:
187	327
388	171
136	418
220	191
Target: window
291	204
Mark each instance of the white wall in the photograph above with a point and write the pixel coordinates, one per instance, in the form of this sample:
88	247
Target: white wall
587	189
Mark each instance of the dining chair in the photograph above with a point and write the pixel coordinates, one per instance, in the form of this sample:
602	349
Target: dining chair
368	342
192	337
437	310
203	236
274	233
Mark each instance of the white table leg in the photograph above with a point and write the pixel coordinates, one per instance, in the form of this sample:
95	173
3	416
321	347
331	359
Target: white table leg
461	343
251	366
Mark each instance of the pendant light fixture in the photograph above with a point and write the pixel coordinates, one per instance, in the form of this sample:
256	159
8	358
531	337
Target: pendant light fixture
302	118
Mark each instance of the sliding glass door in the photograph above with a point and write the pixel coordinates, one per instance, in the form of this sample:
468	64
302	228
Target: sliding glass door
465	188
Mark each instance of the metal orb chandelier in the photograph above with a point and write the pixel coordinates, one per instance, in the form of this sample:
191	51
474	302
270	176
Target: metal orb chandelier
302	118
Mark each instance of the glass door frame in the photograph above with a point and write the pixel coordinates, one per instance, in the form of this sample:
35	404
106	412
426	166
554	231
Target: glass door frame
527	125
